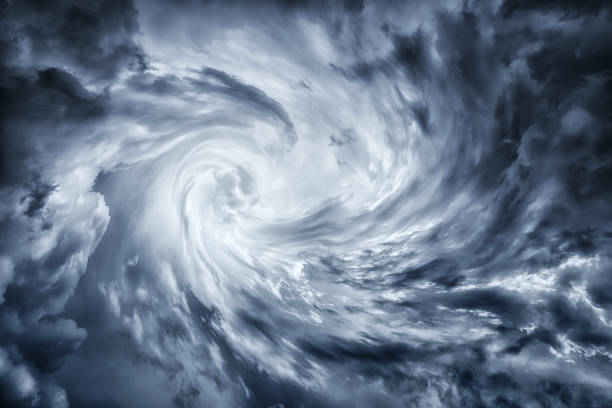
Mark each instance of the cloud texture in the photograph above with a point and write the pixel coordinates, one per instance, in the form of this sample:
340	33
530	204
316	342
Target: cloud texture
306	204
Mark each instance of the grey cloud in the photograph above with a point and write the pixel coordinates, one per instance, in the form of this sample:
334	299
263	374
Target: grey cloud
245	93
434	229
94	39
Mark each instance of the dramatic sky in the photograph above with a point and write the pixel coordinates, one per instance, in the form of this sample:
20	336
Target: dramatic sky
305	204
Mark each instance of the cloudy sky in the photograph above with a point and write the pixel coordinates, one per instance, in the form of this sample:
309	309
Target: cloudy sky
305	204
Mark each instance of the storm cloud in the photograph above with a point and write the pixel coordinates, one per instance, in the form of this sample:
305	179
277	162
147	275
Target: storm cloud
306	204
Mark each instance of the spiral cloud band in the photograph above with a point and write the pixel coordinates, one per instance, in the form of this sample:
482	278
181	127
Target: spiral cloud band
306	204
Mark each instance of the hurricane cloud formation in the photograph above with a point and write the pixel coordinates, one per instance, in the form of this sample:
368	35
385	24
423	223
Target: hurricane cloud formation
306	204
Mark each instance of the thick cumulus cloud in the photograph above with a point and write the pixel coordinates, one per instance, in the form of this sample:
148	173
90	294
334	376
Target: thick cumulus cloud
306	204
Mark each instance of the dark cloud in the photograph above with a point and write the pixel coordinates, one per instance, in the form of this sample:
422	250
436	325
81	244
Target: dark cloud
216	81
94	39
411	51
51	53
568	8
492	300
